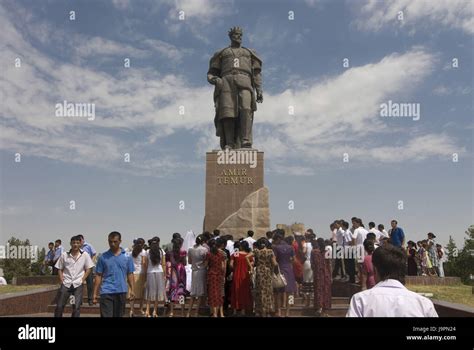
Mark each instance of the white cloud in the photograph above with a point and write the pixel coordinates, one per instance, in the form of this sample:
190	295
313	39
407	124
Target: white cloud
207	141
316	3
15	210
341	115
86	48
121	4
165	49
97	46
418	148
201	10
82	48
347	104
265	33
442	90
337	115
284	169
374	15
134	100
200	16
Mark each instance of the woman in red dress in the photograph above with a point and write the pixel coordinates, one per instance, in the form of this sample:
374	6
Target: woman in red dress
299	260
241	295
216	261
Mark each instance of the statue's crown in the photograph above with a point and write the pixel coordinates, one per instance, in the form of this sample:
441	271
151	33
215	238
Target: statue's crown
235	30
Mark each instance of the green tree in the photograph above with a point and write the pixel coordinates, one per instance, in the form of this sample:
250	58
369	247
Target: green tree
450	266
469	242
36	266
452	250
12	265
466	261
462	265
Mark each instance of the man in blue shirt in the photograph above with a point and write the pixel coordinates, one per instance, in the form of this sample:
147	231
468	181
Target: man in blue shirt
90	278
48	260
113	270
58	251
397	236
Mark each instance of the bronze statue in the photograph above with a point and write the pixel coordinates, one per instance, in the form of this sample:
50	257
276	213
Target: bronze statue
236	73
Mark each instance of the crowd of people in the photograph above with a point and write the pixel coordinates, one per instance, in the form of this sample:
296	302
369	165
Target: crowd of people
427	260
248	276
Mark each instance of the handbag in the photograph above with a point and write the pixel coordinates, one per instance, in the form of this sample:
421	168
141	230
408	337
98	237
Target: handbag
278	280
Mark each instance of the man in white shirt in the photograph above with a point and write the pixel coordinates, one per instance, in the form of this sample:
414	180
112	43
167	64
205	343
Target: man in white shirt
442	259
269	236
377	233
359	236
250	240
339	268
349	261
384	234
389	297
73	268
229	244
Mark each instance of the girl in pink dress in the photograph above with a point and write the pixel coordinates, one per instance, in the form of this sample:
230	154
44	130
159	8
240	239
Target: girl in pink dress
368	273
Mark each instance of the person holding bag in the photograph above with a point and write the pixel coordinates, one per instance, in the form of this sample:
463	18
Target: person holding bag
284	255
279	280
265	262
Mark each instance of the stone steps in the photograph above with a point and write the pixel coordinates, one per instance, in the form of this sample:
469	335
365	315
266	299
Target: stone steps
297	300
338	309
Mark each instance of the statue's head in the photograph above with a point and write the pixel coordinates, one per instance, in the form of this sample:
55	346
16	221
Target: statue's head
235	34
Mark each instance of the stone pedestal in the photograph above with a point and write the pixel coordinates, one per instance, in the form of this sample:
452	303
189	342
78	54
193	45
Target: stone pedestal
236	199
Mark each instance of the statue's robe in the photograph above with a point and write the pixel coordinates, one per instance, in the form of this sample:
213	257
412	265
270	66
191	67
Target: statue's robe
245	76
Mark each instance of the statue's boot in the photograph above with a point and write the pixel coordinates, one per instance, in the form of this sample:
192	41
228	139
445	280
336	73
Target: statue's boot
228	126
246	128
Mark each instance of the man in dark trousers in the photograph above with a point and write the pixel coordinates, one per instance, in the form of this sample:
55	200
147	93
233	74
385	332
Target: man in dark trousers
73	268
114	269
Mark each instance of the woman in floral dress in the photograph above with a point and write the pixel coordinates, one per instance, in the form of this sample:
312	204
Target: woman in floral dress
176	275
265	262
322	277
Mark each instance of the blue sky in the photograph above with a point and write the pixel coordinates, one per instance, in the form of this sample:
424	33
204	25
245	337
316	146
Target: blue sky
336	112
